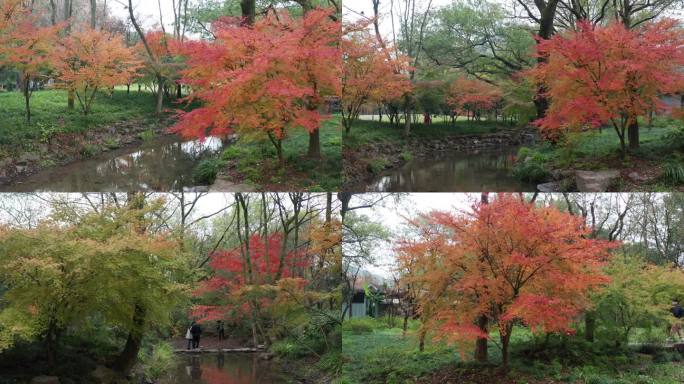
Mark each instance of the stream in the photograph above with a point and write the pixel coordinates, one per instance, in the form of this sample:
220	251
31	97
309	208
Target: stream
224	368
164	163
455	172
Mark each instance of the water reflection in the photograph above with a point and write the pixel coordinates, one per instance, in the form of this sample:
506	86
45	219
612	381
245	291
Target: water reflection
162	164
460	172
219	368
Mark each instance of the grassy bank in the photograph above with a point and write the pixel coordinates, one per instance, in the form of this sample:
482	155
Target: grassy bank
658	162
255	162
374	352
50	114
369	131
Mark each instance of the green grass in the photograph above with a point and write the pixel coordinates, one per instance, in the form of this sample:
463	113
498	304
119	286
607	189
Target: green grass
376	353
367	131
256	161
50	114
661	147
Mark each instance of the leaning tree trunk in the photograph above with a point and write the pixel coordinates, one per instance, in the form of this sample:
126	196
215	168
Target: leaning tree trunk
129	356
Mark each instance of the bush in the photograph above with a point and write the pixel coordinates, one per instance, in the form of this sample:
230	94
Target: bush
673	171
531	166
205	172
158	361
377	165
361	325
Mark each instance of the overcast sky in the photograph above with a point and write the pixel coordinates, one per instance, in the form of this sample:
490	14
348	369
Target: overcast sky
148	11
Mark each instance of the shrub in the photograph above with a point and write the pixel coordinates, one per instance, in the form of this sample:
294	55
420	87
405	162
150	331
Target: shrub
360	325
205	172
531	166
673	171
375	166
157	361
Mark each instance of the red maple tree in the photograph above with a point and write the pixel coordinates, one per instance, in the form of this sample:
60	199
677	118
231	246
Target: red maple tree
370	73
473	96
268	77
25	46
609	75
506	262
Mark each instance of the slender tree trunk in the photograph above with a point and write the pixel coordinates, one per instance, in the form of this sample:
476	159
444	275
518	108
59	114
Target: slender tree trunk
93	14
160	95
27	98
421	338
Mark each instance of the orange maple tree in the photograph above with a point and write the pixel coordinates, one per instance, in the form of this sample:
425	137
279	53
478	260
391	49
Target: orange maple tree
268	77
609	75
90	61
25	46
506	262
370	74
473	96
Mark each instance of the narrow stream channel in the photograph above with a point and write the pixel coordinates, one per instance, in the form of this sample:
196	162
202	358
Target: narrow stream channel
455	172
222	368
164	163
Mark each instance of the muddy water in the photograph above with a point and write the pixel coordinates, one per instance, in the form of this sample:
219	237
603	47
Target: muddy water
457	172
164	163
220	368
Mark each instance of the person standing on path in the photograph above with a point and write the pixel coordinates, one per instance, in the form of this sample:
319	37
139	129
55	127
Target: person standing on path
188	335
220	330
196	332
676	329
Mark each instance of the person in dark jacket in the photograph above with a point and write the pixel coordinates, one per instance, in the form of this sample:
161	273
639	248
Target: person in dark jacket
678	313
220	330
196	332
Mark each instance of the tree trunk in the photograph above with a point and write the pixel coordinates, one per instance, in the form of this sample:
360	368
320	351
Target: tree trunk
314	144
421	338
128	357
481	343
633	134
27	98
179	91
505	341
93	14
248	10
160	96
589	326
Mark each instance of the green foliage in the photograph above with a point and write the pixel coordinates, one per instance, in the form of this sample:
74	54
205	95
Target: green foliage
377	165
147	135
639	296
55	273
406	155
157	361
360	325
531	166
205	172
673	172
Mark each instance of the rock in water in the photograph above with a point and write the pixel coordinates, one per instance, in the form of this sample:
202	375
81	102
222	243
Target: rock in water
599	181
45	380
553	186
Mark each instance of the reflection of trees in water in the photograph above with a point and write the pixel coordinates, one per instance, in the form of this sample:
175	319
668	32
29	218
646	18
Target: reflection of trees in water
466	172
238	370
161	165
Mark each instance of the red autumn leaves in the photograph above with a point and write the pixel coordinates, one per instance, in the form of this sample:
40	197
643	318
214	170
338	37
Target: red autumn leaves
269	77
508	262
609	75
